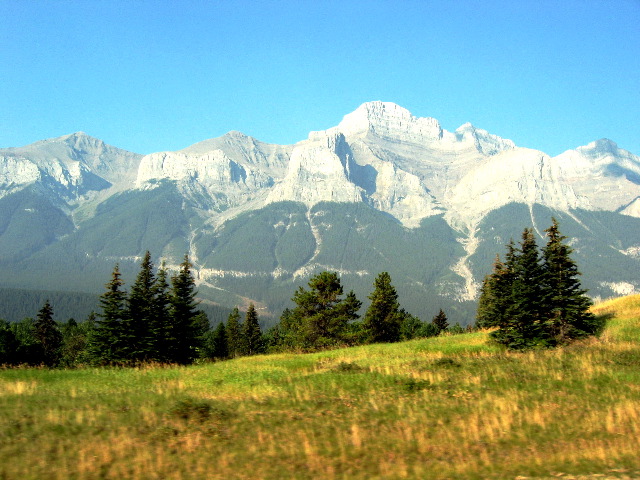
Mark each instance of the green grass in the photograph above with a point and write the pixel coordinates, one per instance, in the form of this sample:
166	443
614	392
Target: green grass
445	407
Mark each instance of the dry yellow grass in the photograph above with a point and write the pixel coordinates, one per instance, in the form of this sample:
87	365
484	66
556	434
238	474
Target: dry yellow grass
450	407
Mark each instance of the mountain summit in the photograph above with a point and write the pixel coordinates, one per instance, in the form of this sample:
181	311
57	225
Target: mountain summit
381	191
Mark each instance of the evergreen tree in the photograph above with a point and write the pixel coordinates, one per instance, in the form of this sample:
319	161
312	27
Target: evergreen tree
251	332
286	334
74	343
48	336
322	313
220	346
28	349
139	323
107	345
234	341
440	321
382	320
183	311
160	321
202	329
520	324
412	327
494	293
568	314
534	299
8	344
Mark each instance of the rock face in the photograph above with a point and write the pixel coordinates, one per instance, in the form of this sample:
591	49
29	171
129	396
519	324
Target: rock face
218	174
68	167
290	210
320	170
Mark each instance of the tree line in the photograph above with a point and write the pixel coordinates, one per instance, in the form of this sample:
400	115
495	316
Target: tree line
324	317
158	320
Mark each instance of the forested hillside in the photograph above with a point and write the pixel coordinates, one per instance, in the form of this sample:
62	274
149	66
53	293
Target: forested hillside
17	304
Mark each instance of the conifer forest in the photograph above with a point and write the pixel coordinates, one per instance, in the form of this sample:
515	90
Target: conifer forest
533	298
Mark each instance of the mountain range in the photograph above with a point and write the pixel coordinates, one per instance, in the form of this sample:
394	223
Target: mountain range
381	191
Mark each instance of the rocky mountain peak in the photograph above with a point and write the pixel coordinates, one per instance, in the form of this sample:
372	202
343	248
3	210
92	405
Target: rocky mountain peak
604	146
386	119
485	142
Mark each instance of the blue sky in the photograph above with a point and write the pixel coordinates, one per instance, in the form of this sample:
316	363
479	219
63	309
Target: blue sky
161	75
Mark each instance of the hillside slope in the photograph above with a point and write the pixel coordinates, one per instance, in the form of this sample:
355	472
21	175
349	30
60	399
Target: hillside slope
444	407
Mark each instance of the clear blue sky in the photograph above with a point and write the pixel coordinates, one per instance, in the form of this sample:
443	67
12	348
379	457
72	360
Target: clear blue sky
161	75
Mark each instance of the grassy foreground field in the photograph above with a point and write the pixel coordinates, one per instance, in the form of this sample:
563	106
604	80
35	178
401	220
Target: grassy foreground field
447	407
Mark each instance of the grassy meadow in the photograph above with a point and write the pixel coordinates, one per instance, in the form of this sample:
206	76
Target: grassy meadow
446	407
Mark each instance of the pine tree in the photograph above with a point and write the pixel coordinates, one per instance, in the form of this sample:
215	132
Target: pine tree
494	292
251	332
28	350
161	324
139	322
183	311
322	313
527	292
219	339
234	343
48	335
382	320
440	321
287	334
8	344
201	326
534	299
107	341
520	323
568	314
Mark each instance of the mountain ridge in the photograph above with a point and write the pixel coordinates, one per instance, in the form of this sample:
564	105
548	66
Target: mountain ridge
104	204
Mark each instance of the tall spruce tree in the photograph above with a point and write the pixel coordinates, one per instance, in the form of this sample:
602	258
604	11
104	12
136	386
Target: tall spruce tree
251	333
219	339
234	340
520	325
183	311
107	342
139	323
494	293
48	335
74	343
440	321
161	324
568	315
383	319
536	299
